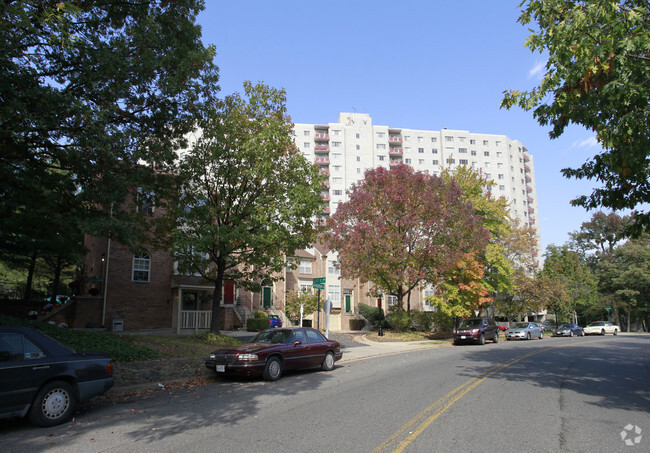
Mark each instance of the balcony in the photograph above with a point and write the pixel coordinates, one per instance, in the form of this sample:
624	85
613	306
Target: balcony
395	162
326	196
528	178
322	160
526	168
529	189
395	151
321	136
394	139
327	184
321	148
526	157
530	199
531	210
324	172
326	210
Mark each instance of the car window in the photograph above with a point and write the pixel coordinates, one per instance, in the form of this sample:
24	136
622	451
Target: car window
520	325
14	346
298	335
314	336
272	336
471	323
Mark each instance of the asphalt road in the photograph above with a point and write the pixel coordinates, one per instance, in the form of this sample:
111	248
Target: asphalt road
557	394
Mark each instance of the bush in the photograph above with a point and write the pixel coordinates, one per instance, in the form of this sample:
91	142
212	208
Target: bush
261	314
215	339
357	324
423	320
400	321
372	314
257	324
444	322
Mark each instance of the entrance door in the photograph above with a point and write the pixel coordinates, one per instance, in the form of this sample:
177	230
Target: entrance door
266	297
348	303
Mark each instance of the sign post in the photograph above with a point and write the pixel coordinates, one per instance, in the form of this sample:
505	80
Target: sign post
318	283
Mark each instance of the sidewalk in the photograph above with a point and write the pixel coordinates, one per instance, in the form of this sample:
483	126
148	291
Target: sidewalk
376	349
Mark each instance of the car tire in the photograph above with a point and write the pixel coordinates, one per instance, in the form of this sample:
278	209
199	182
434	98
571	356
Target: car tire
456	343
582	333
496	337
54	404
481	339
528	336
615	331
570	333
541	335
273	369
328	362
602	332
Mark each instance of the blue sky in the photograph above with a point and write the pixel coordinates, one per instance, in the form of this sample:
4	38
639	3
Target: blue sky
413	64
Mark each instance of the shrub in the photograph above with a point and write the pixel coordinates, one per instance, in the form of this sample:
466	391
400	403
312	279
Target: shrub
257	324
444	322
423	319
400	320
261	314
372	314
215	339
357	324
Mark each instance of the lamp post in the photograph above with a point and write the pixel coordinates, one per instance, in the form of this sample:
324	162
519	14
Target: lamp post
380	332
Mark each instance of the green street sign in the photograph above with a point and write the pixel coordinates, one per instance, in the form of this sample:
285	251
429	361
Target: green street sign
319	283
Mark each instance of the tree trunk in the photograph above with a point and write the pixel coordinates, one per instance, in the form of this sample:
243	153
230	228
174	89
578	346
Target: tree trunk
216	299
56	280
30	278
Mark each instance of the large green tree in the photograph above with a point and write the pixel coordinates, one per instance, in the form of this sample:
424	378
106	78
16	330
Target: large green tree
247	196
401	228
96	97
597	76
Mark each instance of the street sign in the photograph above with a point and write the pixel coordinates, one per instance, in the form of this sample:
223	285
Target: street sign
319	283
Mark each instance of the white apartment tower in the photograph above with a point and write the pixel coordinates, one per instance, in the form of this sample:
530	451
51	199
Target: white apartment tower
346	149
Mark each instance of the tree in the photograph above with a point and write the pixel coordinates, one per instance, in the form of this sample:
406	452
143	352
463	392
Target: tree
295	299
597	76
91	91
401	227
246	195
600	234
534	293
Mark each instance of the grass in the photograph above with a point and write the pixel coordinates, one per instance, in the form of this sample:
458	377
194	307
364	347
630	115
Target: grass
390	335
125	347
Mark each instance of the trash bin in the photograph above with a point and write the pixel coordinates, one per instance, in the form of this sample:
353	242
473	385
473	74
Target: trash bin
118	325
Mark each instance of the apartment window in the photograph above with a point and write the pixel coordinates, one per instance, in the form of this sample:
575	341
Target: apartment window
336	132
407	138
421	150
304	267
462	150
451	161
436	162
141	267
408	161
500	176
306	133
486	153
434	140
358	158
381	134
502	187
462	139
337	168
497	143
472	142
358	170
381	146
407	149
485	142
499	164
463	161
488	176
434	150
358	147
421	161
337	156
381	158
487	165
306	144
336	144
420	139
499	154
449	138
337	192
357	135
473	153
337	180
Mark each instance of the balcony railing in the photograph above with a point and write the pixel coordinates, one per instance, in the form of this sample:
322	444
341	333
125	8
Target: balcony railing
326	196
320	136
394	139
321	148
322	160
395	162
526	168
529	189
196	319
324	172
396	151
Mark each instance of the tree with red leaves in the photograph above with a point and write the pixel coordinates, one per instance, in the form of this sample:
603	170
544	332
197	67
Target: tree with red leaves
401	228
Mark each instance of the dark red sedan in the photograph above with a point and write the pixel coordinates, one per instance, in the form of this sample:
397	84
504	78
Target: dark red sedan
274	350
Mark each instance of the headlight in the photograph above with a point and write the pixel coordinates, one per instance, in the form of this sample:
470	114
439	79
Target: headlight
213	356
474	330
247	357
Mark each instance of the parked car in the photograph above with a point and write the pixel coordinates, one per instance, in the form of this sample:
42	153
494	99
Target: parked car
524	331
273	351
568	330
503	328
476	330
275	321
601	328
549	326
44	380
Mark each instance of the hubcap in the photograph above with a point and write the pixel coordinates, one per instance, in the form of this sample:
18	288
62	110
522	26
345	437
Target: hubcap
329	360
274	369
55	403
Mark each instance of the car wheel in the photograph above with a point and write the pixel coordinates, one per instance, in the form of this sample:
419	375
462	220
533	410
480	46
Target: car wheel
528	336
496	337
481	339
541	335
570	333
582	333
328	363
54	404
615	331
273	369
602	332
456	343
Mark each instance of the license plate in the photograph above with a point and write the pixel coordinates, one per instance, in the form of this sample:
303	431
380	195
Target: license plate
462	337
221	368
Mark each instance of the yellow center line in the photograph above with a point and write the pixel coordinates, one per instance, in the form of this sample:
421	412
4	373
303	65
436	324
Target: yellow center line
451	398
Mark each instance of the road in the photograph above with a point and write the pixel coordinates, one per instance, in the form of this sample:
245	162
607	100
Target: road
557	394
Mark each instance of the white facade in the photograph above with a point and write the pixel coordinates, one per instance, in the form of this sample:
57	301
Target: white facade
347	148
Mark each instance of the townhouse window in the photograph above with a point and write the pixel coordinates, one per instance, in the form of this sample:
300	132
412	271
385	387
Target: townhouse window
145	201
391	300
306	286
141	267
333	268
334	294
304	267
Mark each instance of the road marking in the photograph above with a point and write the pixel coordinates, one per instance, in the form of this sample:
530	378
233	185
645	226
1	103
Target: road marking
451	398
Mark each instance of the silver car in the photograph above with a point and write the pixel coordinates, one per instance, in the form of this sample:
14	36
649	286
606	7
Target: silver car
524	331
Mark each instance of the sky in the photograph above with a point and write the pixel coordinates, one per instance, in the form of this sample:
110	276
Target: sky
412	64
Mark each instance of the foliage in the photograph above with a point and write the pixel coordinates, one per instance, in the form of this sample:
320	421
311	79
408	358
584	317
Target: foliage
261	314
257	324
247	196
372	314
423	319
443	321
400	320
597	76
401	228
214	339
295	299
119	349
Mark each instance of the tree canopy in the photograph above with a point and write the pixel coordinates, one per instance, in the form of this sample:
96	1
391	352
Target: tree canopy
247	196
597	76
91	92
401	227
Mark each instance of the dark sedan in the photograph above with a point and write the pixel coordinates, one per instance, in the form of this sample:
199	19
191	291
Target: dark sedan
569	330
273	351
44	380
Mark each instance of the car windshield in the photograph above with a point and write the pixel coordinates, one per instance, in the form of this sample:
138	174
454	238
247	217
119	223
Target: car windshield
566	326
597	324
471	323
272	336
520	325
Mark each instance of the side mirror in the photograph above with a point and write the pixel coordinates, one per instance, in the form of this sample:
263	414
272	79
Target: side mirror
297	342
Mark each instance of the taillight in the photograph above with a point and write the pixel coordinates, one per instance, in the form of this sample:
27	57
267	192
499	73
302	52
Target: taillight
109	367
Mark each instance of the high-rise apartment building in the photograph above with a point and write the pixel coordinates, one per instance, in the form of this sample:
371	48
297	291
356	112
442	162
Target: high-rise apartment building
346	149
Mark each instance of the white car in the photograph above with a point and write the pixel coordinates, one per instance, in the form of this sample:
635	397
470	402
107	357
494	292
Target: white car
601	328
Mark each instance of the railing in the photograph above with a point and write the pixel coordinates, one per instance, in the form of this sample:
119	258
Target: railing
195	319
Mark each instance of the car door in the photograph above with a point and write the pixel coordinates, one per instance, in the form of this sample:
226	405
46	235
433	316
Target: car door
24	366
317	347
296	354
